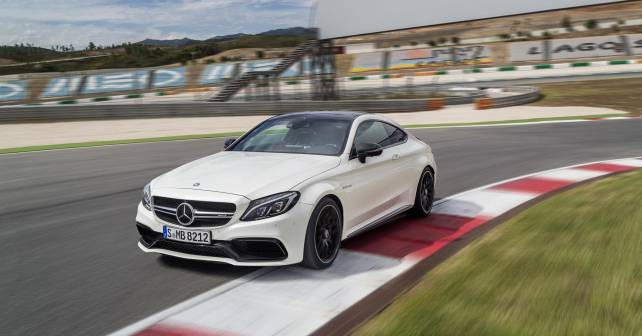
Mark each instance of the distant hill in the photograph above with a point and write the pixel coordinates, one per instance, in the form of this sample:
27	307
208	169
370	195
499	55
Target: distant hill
301	32
168	43
28	53
294	31
226	37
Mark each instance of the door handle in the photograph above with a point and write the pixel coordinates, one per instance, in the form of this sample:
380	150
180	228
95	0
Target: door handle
395	156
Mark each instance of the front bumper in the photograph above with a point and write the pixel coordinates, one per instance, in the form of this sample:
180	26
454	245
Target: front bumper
272	241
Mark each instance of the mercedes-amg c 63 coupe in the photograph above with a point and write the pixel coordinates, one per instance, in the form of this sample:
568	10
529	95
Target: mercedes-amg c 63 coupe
288	191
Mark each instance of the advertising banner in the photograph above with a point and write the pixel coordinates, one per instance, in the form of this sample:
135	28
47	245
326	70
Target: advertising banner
170	77
595	46
122	81
262	65
62	87
479	54
635	43
437	57
527	51
13	90
298	69
371	61
215	73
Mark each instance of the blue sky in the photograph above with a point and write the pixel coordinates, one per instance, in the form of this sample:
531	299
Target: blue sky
49	22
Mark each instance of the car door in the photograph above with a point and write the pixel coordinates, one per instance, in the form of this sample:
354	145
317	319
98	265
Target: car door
374	186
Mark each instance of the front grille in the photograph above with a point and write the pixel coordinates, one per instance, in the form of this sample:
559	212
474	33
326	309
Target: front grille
249	249
208	214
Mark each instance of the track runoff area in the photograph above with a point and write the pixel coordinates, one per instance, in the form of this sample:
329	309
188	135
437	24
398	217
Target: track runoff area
296	301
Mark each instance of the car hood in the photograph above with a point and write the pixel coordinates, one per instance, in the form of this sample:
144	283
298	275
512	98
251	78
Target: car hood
248	174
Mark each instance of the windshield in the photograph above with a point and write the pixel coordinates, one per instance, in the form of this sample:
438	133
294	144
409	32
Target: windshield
297	134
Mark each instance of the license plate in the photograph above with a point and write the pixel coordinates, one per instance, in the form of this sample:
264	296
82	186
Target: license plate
187	236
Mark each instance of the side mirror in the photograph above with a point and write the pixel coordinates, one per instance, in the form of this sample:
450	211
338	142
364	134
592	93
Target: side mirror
228	142
367	150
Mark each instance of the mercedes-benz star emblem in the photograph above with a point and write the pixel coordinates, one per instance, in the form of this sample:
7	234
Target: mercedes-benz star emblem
185	214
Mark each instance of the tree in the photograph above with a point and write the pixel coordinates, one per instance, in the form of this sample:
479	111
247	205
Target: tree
91	46
260	54
591	24
432	43
454	40
442	40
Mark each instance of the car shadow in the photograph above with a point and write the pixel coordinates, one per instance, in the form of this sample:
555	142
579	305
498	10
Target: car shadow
202	267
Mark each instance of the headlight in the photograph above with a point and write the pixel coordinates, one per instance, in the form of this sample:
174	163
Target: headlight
270	206
147	197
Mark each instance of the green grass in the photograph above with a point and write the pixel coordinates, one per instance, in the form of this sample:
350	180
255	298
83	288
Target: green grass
621	94
220	135
101	99
133	95
571	265
117	142
507	68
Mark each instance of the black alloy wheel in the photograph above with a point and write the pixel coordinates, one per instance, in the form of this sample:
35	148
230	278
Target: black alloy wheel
425	194
323	238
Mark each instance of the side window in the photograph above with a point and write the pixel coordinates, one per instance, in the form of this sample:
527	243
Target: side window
395	136
378	132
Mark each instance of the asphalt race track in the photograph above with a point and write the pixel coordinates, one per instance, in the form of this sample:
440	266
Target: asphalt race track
70	264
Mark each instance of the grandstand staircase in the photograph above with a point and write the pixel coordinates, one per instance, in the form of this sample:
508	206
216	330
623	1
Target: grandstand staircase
236	85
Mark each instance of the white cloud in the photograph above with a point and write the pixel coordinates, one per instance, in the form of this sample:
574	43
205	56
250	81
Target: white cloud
46	22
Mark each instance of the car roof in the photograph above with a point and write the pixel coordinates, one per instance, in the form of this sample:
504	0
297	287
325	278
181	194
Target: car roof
337	115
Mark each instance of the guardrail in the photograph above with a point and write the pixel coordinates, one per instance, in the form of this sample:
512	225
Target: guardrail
221	109
523	95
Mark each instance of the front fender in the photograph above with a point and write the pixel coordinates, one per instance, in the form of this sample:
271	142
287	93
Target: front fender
313	193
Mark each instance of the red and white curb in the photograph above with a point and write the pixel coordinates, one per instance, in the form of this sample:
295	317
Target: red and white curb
297	301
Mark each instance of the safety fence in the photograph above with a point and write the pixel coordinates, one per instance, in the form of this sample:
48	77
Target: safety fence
213	109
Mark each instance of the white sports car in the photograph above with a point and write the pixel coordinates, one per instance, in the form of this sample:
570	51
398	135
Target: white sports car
288	191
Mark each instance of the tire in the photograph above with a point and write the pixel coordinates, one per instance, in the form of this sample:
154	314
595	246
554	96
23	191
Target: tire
425	194
323	236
